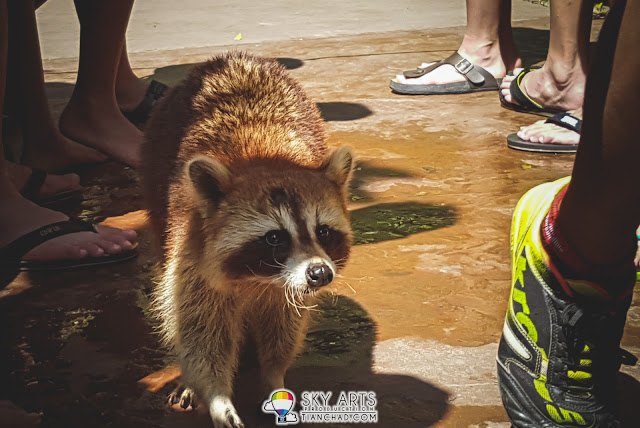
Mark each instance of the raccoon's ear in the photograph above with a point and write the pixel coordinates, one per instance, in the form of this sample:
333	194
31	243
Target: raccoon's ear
338	166
208	177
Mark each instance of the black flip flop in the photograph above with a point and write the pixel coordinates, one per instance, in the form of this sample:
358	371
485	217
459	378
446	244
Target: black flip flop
141	113
564	120
477	79
11	254
525	104
31	191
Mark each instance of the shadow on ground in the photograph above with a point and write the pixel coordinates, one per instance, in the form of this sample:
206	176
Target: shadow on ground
532	44
384	222
75	347
172	74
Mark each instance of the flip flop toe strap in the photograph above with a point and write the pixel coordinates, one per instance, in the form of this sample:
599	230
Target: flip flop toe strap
15	250
567	121
474	74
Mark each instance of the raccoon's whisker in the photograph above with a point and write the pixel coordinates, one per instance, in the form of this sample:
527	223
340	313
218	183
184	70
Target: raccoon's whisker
251	270
299	298
273	254
278	262
280	265
349	285
264	277
287	291
278	277
301	294
297	310
293	302
264	290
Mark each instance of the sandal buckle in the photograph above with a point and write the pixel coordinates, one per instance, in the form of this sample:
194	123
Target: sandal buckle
463	66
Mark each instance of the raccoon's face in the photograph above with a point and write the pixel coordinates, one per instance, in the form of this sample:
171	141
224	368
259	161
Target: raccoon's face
276	223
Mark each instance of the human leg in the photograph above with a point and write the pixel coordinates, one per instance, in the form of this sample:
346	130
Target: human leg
559	353
129	88
608	153
488	43
19	216
44	147
93	115
559	84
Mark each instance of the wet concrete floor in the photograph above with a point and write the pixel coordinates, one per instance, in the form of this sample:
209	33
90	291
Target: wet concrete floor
418	313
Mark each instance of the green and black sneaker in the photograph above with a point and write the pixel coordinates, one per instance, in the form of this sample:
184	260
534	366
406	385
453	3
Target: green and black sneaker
560	349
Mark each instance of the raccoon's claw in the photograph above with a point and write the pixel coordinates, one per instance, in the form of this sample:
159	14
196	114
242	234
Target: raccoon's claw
183	396
224	414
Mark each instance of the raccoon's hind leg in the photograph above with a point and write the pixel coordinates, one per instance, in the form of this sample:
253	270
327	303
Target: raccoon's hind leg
279	335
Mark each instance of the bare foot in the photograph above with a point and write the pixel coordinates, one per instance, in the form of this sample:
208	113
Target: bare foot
103	127
542	132
52	151
548	89
485	55
19	216
52	185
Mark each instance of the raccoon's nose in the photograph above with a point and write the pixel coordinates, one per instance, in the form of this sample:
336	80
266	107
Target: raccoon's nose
319	274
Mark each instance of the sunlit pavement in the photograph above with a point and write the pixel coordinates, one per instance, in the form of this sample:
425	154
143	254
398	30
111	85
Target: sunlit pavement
418	313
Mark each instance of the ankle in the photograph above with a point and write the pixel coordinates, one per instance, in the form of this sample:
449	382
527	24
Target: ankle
580	275
490	55
129	93
565	74
40	139
88	109
486	49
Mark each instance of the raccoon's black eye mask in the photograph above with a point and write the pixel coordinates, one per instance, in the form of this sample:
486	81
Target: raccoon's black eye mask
264	256
334	243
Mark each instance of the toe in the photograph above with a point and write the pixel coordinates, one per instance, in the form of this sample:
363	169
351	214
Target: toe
94	250
110	247
68	251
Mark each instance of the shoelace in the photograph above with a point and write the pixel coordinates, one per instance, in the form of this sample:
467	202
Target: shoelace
592	353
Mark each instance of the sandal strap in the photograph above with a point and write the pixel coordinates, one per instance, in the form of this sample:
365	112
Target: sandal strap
155	91
34	184
473	73
518	95
15	250
567	121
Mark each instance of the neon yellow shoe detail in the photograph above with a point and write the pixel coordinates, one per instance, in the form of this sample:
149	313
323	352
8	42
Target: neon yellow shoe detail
558	355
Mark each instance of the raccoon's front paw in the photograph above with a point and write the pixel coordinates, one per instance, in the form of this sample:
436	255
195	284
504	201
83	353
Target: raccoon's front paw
183	396
223	413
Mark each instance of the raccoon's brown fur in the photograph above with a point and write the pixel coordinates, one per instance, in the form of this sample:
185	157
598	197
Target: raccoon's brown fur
250	215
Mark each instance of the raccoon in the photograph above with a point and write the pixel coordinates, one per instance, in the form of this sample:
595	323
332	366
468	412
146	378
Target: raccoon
249	212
